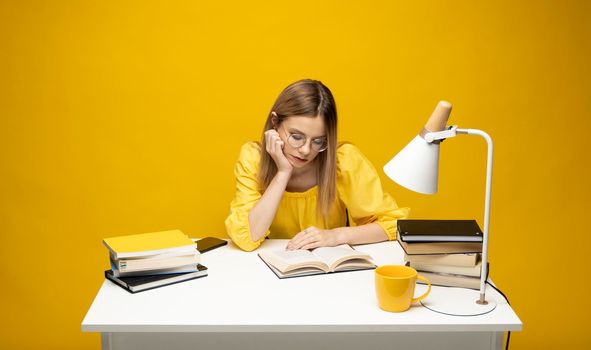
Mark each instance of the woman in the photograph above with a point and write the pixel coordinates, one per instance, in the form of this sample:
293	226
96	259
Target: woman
299	184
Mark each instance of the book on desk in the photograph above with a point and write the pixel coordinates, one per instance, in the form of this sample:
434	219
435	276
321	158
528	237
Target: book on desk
439	231
319	261
134	284
149	244
151	260
447	252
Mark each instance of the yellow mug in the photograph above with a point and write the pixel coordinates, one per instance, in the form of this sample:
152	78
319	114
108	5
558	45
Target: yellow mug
395	287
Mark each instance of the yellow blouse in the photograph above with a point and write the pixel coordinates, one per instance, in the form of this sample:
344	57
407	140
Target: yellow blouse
359	190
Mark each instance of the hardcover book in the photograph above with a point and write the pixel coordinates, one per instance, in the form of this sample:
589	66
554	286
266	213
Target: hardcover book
440	247
450	280
141	283
157	262
178	269
148	244
472	271
467	259
297	263
439	231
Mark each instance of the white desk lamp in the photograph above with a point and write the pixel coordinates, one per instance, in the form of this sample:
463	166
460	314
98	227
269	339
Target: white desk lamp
416	167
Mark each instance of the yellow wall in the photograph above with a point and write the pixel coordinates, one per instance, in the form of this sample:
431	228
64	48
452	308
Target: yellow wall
121	117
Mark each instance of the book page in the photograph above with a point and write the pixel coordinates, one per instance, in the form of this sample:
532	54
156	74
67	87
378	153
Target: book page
286	261
333	256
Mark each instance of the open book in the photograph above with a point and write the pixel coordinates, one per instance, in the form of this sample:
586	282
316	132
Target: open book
322	260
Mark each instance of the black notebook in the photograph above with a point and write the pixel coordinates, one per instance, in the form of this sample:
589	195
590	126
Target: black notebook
439	231
136	284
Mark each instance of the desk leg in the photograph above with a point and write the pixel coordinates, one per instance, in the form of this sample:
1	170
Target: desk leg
106	341
497	340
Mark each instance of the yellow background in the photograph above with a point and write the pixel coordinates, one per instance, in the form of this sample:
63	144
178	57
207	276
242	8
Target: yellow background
123	117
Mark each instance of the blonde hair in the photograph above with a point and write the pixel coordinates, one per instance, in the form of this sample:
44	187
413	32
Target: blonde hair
310	98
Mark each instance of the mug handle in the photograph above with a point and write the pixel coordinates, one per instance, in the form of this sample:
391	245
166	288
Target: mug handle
414	300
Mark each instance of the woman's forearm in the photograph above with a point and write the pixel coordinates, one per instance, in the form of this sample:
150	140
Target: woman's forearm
262	214
369	233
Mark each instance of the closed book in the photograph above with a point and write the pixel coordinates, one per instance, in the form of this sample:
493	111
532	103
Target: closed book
450	280
141	283
472	271
440	248
179	269
162	261
439	231
147	244
462	259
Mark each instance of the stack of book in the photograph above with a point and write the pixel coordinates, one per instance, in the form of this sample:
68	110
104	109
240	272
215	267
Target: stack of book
447	252
150	260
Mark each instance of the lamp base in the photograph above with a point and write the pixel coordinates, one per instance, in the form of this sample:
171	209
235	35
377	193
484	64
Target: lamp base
481	300
458	302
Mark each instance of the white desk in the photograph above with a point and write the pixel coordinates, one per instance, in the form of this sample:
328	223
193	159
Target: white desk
243	305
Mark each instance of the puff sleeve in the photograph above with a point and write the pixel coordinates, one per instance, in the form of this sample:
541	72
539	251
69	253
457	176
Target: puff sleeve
360	189
247	195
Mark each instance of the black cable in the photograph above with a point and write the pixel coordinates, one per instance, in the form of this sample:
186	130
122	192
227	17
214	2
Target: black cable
498	290
504	296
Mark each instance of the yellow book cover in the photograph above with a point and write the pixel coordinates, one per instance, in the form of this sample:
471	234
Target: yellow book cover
146	244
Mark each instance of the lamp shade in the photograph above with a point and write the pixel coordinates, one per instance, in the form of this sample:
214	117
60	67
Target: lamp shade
416	166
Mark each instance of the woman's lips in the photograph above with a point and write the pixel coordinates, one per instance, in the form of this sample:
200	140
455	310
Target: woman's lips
299	159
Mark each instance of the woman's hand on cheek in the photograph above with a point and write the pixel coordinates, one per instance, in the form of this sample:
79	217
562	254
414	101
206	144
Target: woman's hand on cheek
313	237
274	146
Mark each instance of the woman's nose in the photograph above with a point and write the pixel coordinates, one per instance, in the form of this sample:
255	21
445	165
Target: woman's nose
305	149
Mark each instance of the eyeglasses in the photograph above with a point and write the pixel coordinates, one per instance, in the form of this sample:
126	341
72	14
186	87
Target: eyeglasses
298	140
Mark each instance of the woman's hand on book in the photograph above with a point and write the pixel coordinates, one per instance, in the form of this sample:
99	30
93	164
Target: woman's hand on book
313	237
274	146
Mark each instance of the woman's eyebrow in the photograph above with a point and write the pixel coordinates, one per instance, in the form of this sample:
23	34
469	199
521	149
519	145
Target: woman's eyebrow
294	130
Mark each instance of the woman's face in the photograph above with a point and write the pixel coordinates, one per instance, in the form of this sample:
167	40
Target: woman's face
309	129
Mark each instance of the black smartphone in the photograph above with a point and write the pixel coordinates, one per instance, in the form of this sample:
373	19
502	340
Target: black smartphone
209	243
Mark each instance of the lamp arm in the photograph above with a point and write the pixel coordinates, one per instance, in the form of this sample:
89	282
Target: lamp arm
452	131
489	166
